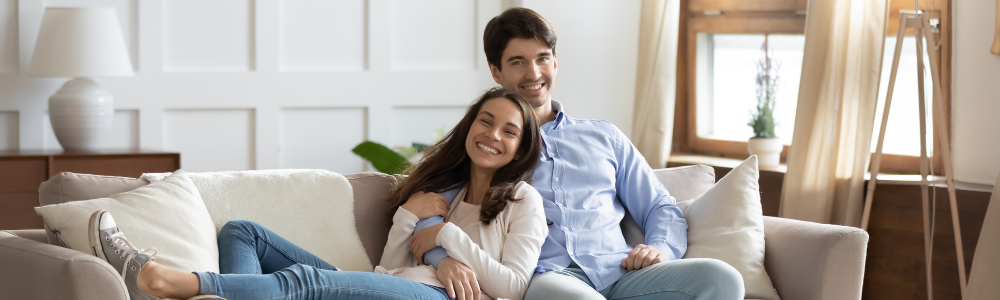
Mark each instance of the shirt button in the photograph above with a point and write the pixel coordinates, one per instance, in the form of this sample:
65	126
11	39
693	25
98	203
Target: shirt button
557	178
559	204
565	228
550	154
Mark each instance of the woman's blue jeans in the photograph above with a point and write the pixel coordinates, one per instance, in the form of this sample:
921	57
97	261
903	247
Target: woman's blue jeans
258	264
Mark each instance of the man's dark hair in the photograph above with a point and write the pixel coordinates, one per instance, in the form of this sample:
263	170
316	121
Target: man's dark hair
515	22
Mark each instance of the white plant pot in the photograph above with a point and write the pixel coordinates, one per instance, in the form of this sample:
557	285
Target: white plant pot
767	150
81	113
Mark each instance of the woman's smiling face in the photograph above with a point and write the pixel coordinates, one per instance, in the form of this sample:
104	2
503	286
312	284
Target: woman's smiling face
495	134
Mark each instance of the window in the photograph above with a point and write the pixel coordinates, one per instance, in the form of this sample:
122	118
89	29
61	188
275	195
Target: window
726	86
902	134
721	41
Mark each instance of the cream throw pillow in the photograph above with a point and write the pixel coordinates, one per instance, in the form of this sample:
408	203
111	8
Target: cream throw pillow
727	223
168	215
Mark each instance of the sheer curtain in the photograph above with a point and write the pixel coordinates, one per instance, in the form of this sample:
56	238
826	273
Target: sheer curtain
656	78
838	91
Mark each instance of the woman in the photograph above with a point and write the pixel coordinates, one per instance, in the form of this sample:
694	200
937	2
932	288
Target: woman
488	157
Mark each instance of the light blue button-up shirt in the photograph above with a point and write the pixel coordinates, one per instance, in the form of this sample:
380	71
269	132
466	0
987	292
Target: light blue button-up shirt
589	173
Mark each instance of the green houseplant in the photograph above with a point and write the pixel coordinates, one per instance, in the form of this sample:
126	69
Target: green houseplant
765	143
397	159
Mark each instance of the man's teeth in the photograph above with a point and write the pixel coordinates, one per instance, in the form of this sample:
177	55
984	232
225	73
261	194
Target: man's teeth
488	149
533	87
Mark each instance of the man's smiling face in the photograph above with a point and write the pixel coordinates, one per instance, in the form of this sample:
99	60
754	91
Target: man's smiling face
527	66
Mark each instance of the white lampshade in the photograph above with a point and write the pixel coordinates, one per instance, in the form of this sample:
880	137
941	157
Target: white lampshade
80	42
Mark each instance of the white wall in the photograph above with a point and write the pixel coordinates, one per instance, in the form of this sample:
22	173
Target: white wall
263	84
976	93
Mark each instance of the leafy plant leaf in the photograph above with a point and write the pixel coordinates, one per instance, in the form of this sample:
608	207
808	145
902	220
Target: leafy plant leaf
420	147
382	158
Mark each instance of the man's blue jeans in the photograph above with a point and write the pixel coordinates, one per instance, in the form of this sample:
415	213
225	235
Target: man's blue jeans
258	264
682	279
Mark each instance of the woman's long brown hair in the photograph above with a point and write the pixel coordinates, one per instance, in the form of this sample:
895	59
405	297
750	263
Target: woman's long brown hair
447	163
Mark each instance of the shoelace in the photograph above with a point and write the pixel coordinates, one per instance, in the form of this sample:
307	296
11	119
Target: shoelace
127	251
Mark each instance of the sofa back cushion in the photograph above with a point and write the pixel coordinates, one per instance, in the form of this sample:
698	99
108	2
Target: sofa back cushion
372	191
67	186
371	198
310	208
683	183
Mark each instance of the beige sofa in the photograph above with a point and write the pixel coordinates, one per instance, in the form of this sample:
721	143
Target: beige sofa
804	260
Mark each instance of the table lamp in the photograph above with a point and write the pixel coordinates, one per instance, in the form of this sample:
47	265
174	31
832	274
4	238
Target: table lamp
80	42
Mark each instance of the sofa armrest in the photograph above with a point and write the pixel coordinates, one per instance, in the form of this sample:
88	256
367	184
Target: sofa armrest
808	260
35	270
37	235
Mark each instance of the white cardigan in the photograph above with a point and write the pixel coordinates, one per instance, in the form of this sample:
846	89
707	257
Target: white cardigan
509	250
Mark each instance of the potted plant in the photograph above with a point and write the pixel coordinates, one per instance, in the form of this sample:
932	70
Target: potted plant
765	143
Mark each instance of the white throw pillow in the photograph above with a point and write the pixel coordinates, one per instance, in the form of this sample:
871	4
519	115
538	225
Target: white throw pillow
727	223
168	215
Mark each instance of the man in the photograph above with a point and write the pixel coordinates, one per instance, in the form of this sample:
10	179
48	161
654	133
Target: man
588	175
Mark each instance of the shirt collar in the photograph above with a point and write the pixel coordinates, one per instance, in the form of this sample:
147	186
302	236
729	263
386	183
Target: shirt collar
560	117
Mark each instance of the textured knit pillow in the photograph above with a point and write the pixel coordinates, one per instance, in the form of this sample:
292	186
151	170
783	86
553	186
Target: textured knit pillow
727	223
168	215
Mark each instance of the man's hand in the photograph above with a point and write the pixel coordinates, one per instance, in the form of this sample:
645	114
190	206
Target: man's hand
426	205
458	279
424	240
642	256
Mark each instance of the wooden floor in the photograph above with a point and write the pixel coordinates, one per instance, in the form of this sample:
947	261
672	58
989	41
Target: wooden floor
894	268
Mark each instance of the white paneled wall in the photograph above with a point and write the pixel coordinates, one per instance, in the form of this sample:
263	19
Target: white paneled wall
8	36
208	36
211	139
264	84
419	124
8	130
322	35
434	35
322	138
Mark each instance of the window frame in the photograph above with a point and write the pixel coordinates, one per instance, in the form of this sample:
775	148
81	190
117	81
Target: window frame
785	17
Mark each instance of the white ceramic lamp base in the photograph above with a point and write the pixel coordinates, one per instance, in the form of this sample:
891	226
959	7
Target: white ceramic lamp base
81	113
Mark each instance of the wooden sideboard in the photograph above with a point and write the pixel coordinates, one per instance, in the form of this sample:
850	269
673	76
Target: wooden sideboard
22	171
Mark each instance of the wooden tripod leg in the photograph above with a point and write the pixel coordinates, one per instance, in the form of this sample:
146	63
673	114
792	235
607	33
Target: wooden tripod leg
877	156
928	233
942	133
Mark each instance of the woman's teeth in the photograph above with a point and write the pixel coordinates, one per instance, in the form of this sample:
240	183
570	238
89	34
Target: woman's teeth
488	149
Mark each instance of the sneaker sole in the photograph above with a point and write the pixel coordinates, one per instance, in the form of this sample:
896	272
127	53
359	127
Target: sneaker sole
95	235
206	297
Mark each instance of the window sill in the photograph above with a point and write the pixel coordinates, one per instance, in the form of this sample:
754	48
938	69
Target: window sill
893	179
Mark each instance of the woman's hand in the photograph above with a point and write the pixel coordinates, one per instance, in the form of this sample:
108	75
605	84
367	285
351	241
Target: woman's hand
458	279
424	240
426	205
